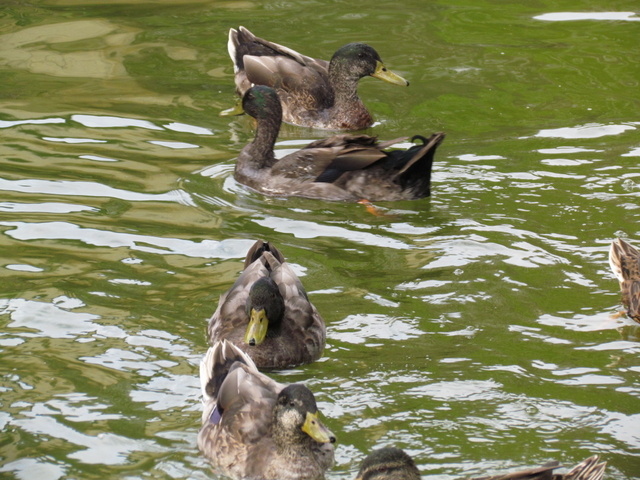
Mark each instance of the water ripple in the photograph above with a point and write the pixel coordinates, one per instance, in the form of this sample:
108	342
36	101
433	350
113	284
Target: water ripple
103	449
91	189
306	229
54	320
366	328
573	16
228	248
590	130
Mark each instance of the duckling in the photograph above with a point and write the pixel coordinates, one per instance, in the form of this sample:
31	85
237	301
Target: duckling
314	93
339	168
625	263
267	313
255	428
392	463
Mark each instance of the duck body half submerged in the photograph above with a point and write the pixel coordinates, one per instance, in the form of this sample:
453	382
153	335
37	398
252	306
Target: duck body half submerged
340	168
267	313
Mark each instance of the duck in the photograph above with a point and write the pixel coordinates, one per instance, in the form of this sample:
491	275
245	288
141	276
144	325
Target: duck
255	428
267	313
314	93
391	463
342	167
625	263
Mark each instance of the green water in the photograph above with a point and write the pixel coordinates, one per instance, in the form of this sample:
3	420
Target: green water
472	329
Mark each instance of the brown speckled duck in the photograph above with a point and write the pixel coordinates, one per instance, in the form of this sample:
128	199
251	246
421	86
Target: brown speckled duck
255	428
625	263
267	314
340	168
391	463
314	93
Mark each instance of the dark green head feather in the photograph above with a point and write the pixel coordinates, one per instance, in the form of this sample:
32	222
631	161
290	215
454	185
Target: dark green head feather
261	101
359	58
265	295
388	462
299	397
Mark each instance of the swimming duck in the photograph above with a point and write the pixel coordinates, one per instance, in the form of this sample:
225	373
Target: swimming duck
392	463
625	263
255	428
341	167
267	314
314	93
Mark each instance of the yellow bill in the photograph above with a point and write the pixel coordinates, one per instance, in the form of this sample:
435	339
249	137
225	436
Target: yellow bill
257	329
316	430
233	111
387	75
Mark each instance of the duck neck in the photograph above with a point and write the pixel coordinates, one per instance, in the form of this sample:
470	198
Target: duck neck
346	103
290	463
344	84
261	149
286	440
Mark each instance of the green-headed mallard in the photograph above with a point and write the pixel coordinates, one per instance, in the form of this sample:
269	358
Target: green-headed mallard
391	463
625	263
267	313
255	428
341	167
314	93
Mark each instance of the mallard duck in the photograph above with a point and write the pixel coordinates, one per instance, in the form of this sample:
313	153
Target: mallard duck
314	93
267	313
391	463
341	167
625	263
255	428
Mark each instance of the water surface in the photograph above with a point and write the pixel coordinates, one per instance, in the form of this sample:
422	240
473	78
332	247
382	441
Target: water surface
473	329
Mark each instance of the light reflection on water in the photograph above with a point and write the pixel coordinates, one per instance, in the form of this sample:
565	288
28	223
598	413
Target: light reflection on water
474	329
88	189
145	243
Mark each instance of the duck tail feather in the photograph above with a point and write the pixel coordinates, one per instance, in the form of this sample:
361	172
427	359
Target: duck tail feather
588	469
232	48
257	251
216	365
416	172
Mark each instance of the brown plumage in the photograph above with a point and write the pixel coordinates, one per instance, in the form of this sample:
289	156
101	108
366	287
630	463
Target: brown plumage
391	463
314	93
625	263
255	428
341	167
267	313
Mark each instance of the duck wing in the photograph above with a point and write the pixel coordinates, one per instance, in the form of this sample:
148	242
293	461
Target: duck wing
588	469
237	398
625	264
238	406
260	62
633	300
624	260
242	42
375	174
327	159
304	330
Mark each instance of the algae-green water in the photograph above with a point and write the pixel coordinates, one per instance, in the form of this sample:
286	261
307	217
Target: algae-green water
476	328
